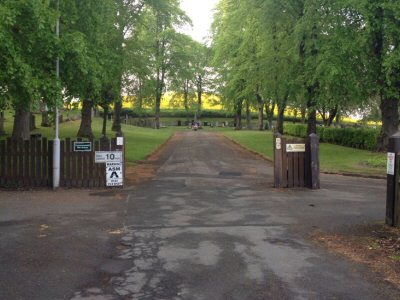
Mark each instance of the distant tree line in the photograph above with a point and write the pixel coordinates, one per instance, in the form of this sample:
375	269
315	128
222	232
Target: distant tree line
323	57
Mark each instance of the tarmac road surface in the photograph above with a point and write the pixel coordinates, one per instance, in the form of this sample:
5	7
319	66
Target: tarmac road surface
209	225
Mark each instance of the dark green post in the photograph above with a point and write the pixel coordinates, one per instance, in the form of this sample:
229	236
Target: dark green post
393	170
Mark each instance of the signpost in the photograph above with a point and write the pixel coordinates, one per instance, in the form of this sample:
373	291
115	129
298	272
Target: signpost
393	172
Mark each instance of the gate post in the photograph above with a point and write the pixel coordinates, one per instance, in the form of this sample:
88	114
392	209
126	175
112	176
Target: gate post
278	160
392	195
314	179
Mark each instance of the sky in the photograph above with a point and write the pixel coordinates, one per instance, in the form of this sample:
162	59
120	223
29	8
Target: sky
201	13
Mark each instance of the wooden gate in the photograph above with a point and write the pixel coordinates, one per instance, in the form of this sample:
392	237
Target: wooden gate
27	164
79	169
296	162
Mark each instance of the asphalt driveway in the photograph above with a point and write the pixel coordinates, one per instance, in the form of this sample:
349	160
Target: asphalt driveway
208	225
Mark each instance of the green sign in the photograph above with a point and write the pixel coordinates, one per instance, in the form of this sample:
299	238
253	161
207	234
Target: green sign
82	146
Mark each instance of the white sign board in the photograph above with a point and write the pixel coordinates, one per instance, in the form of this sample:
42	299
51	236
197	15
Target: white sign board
120	141
390	163
114	174
108	156
296	148
278	143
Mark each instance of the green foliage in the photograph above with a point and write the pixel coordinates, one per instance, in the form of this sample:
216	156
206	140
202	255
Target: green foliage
28	49
360	138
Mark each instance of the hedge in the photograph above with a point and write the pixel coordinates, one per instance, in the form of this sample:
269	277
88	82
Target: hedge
181	113
175	113
360	138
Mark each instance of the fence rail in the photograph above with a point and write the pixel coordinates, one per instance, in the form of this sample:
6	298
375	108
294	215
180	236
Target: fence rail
30	163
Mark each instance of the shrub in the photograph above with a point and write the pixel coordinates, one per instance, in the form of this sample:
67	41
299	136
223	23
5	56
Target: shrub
360	138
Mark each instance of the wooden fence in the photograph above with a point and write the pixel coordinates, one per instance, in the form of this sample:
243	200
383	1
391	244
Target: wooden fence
30	163
26	163
296	162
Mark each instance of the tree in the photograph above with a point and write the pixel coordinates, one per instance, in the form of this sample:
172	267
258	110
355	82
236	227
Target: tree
28	48
128	14
188	71
382	46
305	54
183	76
159	35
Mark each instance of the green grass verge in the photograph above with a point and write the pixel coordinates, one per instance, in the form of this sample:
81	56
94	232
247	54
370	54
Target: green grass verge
333	158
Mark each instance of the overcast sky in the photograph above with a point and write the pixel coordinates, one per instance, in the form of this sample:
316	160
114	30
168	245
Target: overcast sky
201	13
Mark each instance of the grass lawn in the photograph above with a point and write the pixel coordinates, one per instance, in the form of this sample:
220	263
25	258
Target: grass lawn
140	142
333	158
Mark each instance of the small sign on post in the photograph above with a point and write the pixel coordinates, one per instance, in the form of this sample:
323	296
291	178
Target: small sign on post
82	146
108	156
278	142
390	163
295	147
114	174
120	141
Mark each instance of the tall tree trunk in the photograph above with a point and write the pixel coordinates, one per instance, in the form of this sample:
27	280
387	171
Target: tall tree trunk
186	99
323	113
159	92
45	119
337	120
312	121
85	130
332	115
157	111
311	109
269	111
104	129
390	121
199	95
32	122
238	118
2	130
388	107
116	126
21	128
248	115
281	112
303	115
281	118
260	102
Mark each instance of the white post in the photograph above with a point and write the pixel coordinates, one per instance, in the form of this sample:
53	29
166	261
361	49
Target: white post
56	145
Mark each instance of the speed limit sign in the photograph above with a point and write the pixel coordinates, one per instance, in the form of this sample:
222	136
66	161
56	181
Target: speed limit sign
108	156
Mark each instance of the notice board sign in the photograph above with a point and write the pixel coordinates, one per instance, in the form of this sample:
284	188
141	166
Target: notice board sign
295	147
391	157
114	174
82	146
